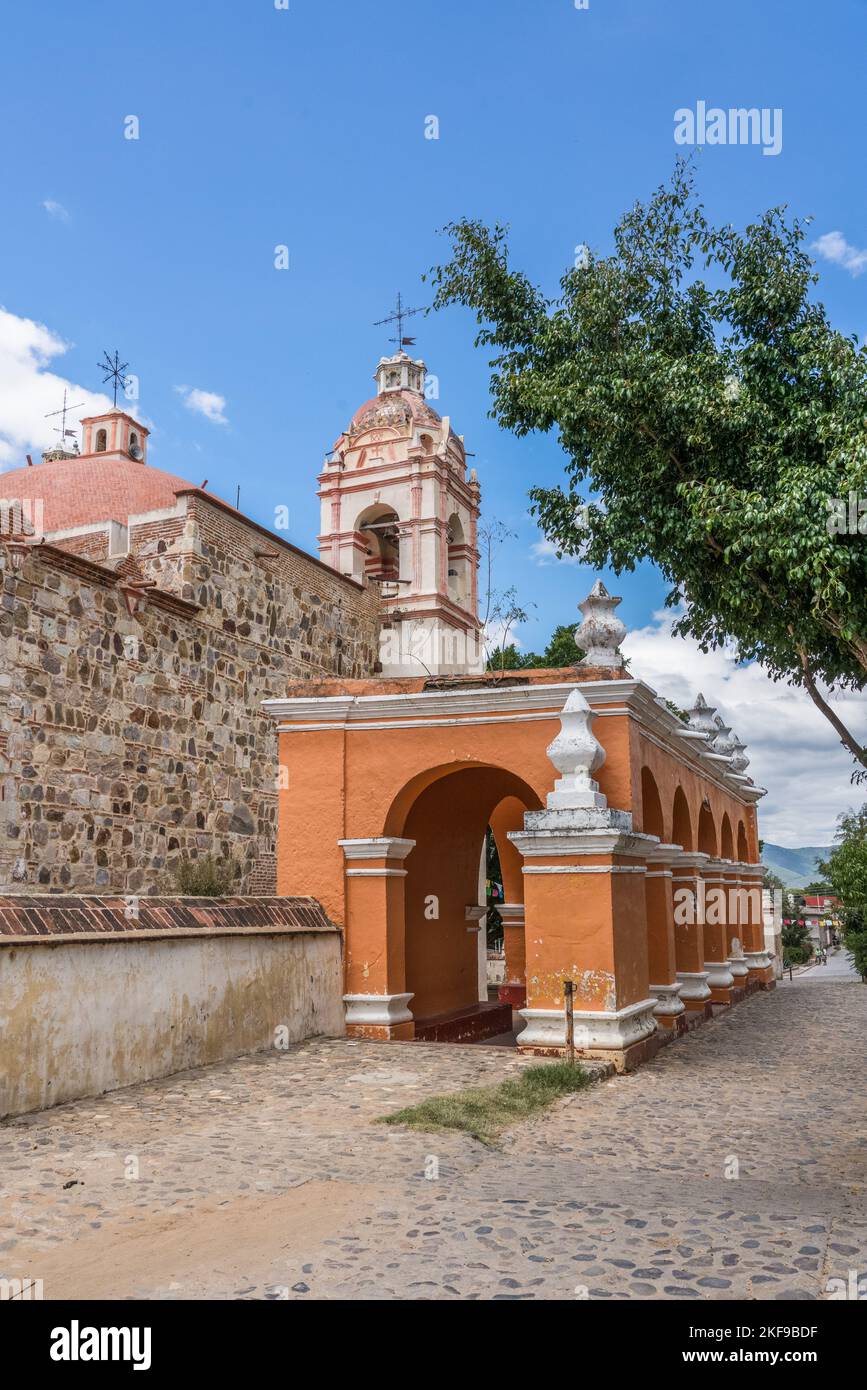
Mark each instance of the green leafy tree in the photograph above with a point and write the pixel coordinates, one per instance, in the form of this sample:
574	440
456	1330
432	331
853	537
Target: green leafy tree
510	659
846	872
846	867
855	940
562	650
797	947
711	419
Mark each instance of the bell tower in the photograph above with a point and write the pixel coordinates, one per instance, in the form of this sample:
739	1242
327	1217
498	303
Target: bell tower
399	510
114	433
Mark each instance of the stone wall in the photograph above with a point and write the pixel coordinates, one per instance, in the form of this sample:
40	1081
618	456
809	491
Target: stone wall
129	742
92	999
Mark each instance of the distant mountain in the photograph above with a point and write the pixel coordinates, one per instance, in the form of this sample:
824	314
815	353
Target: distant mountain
795	867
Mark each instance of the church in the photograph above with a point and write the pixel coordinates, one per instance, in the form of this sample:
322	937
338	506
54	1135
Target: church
145	620
180	682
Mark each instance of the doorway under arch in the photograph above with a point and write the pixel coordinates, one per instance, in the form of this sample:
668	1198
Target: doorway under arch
447	819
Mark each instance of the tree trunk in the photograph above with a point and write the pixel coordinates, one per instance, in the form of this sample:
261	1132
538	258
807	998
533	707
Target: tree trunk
848	740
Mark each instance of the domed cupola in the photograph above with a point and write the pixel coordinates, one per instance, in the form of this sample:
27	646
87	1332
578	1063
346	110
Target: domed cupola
400	373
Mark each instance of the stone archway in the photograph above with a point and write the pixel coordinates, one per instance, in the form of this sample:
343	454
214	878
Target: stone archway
446	823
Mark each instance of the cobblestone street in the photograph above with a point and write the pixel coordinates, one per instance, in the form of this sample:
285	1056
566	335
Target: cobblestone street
265	1178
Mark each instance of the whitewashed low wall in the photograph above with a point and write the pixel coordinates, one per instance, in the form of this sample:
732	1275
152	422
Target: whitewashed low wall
81	1017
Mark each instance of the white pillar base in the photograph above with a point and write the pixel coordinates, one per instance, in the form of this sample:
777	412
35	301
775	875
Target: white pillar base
739	967
668	1000
377	1010
719	976
693	984
615	1029
757	960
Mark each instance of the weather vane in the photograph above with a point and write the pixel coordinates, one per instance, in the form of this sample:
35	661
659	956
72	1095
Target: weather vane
398	317
115	371
63	412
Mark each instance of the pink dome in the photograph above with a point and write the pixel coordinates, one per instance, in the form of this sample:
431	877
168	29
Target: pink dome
394	409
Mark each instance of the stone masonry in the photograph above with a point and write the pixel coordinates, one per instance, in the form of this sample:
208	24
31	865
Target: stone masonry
129	740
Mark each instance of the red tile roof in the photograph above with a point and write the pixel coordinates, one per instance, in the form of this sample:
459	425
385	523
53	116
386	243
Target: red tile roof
93	488
59	914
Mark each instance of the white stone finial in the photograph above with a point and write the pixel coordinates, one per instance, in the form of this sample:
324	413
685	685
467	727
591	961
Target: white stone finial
740	762
576	753
722	741
701	717
601	632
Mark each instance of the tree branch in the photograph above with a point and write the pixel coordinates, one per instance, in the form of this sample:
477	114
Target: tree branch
848	740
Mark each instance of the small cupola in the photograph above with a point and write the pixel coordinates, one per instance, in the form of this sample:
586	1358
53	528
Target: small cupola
399	373
115	432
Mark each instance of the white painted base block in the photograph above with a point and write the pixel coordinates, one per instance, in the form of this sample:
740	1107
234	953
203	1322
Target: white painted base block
614	1029
739	968
693	984
668	1000
719	976
377	1010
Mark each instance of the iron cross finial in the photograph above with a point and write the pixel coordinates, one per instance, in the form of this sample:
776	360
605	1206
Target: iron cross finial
63	412
115	371
400	313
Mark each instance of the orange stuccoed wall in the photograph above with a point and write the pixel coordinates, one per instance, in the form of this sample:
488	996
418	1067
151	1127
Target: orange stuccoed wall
386	789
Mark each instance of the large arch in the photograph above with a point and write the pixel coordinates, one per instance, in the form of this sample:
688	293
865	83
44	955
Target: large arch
707	840
726	839
681	824
377	529
743	845
447	816
651	805
512	783
457	562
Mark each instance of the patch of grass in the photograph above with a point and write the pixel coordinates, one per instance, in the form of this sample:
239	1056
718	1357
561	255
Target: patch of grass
485	1111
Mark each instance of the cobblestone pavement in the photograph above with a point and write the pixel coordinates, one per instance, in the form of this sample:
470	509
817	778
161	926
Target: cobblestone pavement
265	1178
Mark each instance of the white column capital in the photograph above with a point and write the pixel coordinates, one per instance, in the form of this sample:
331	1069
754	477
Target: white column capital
692	860
665	854
513	913
543	841
377	847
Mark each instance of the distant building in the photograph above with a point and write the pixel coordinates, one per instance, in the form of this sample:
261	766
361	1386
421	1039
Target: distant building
822	917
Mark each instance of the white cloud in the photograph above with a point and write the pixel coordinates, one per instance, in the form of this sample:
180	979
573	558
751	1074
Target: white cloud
496	629
833	246
793	750
29	389
545	553
206	403
56	210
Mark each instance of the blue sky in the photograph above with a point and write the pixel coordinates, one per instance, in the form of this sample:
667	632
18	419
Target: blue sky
305	127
